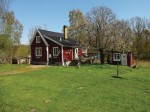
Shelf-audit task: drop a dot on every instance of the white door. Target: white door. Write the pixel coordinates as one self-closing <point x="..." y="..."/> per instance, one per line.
<point x="124" y="59"/>
<point x="76" y="53"/>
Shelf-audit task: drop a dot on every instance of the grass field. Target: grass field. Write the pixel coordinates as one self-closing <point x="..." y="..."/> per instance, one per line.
<point x="91" y="88"/>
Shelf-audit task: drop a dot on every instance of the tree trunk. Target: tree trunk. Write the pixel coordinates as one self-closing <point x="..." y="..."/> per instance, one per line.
<point x="101" y="55"/>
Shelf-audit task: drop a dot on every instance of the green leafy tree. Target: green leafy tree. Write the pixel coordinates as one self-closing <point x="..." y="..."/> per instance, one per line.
<point x="13" y="28"/>
<point x="146" y="44"/>
<point x="77" y="28"/>
<point x="24" y="48"/>
<point x="138" y="26"/>
<point x="5" y="48"/>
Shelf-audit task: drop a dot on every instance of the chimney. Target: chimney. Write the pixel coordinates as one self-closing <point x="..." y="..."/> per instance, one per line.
<point x="65" y="32"/>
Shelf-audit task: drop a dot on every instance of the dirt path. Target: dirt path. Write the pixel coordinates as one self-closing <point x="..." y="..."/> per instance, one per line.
<point x="23" y="69"/>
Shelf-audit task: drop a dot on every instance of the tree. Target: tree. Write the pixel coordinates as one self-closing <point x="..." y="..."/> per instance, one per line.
<point x="138" y="26"/>
<point x="121" y="36"/>
<point x="5" y="48"/>
<point x="100" y="29"/>
<point x="4" y="4"/>
<point x="12" y="27"/>
<point x="100" y="21"/>
<point x="24" y="48"/>
<point x="146" y="35"/>
<point x="77" y="26"/>
<point x="146" y="44"/>
<point x="30" y="36"/>
<point x="32" y="32"/>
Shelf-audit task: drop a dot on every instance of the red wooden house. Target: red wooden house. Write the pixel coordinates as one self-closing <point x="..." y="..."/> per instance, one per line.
<point x="52" y="48"/>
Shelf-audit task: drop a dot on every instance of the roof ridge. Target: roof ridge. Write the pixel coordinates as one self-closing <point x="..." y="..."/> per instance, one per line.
<point x="50" y="31"/>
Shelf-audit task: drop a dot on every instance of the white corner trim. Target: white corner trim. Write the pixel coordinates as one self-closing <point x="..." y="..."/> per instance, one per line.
<point x="62" y="57"/>
<point x="47" y="51"/>
<point x="42" y="38"/>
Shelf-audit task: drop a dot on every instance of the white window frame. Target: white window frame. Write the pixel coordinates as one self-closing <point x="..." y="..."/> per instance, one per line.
<point x="115" y="56"/>
<point x="36" y="50"/>
<point x="38" y="39"/>
<point x="55" y="51"/>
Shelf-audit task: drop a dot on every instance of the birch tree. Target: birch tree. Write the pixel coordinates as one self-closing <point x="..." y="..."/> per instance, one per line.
<point x="77" y="26"/>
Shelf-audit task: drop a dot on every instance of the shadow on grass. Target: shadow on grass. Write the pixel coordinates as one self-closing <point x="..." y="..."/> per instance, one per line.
<point x="117" y="77"/>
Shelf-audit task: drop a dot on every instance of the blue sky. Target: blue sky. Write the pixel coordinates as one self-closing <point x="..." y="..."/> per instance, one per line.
<point x="55" y="13"/>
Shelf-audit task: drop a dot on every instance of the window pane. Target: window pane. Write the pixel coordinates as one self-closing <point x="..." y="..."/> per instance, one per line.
<point x="55" y="51"/>
<point x="38" y="51"/>
<point x="116" y="56"/>
<point x="38" y="39"/>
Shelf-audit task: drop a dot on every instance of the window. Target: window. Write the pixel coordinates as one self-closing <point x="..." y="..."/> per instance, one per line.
<point x="116" y="57"/>
<point x="38" y="39"/>
<point x="55" y="51"/>
<point x="76" y="50"/>
<point x="38" y="51"/>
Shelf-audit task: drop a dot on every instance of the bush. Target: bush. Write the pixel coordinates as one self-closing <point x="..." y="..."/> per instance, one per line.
<point x="146" y="55"/>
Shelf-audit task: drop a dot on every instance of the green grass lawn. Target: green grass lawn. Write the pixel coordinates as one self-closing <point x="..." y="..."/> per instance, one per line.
<point x="91" y="88"/>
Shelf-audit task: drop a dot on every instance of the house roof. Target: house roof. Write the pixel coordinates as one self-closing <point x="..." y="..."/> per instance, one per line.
<point x="58" y="38"/>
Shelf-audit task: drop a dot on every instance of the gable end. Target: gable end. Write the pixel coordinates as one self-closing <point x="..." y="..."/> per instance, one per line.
<point x="34" y="37"/>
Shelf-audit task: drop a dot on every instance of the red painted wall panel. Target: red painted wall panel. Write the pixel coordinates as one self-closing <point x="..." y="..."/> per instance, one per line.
<point x="68" y="53"/>
<point x="42" y="58"/>
<point x="55" y="58"/>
